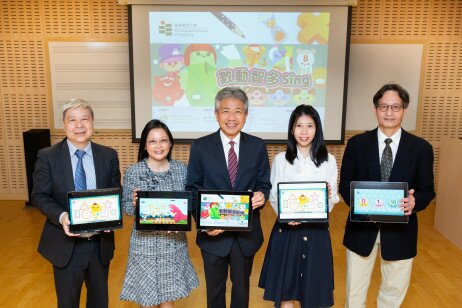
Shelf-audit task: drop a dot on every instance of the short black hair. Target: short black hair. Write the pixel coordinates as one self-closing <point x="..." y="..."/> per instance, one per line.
<point x="318" y="149"/>
<point x="402" y="93"/>
<point x="142" y="152"/>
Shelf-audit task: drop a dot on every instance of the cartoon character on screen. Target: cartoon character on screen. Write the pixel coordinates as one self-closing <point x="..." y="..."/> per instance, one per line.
<point x="277" y="33"/>
<point x="254" y="55"/>
<point x="177" y="213"/>
<point x="171" y="59"/>
<point x="167" y="88"/>
<point x="279" y="58"/>
<point x="201" y="84"/>
<point x="363" y="202"/>
<point x="95" y="209"/>
<point x="205" y="211"/>
<point x="214" y="211"/>
<point x="305" y="60"/>
<point x="279" y="97"/>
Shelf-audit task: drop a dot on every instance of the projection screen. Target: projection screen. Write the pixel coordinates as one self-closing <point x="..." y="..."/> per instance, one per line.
<point x="280" y="56"/>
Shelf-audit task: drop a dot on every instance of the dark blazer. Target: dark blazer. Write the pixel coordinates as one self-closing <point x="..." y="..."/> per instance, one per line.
<point x="53" y="179"/>
<point x="207" y="169"/>
<point x="413" y="164"/>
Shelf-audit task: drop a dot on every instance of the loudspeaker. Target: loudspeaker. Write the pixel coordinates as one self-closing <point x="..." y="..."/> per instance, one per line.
<point x="34" y="140"/>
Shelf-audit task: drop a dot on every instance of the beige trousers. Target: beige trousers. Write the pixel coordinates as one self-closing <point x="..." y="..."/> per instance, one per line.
<point x="396" y="276"/>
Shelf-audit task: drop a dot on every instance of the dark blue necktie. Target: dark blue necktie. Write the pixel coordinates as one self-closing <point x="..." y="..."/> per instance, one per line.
<point x="80" y="180"/>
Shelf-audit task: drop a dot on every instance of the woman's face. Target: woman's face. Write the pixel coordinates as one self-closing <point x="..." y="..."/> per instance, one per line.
<point x="158" y="144"/>
<point x="304" y="130"/>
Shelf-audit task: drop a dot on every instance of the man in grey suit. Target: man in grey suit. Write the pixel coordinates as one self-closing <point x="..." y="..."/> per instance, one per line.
<point x="75" y="163"/>
<point x="387" y="153"/>
<point x="230" y="160"/>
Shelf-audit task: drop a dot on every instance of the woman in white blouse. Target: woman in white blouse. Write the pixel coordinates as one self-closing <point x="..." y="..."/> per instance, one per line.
<point x="298" y="264"/>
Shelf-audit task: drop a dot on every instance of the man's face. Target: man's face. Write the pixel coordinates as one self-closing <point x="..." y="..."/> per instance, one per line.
<point x="231" y="116"/>
<point x="389" y="120"/>
<point x="78" y="126"/>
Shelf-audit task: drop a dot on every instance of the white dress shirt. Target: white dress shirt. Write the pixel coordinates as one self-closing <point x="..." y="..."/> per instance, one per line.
<point x="393" y="145"/>
<point x="226" y="146"/>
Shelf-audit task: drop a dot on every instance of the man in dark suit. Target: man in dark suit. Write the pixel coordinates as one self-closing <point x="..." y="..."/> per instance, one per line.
<point x="75" y="163"/>
<point x="387" y="153"/>
<point x="212" y="166"/>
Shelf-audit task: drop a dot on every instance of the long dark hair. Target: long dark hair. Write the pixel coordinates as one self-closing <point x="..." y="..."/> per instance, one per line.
<point x="142" y="153"/>
<point x="318" y="149"/>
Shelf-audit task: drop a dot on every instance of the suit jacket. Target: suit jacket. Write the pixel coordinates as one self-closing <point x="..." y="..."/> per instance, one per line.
<point x="207" y="169"/>
<point x="413" y="164"/>
<point x="53" y="179"/>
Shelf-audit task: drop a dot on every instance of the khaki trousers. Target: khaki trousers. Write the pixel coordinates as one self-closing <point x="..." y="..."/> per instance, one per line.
<point x="396" y="276"/>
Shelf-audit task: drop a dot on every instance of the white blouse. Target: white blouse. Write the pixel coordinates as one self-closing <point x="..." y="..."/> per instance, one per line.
<point x="303" y="169"/>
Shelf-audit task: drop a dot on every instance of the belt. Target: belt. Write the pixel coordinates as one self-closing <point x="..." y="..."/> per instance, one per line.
<point x="92" y="237"/>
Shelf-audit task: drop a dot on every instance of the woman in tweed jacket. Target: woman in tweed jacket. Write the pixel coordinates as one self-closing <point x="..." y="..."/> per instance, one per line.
<point x="159" y="270"/>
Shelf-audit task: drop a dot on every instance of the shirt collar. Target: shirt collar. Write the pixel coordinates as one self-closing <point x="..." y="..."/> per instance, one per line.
<point x="73" y="148"/>
<point x="395" y="137"/>
<point x="225" y="140"/>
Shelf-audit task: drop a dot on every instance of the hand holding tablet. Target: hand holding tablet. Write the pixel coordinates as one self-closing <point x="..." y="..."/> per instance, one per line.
<point x="224" y="211"/>
<point x="163" y="210"/>
<point x="303" y="202"/>
<point x="380" y="202"/>
<point x="94" y="210"/>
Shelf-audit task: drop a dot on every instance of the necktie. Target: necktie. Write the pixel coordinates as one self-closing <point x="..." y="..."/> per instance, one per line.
<point x="387" y="161"/>
<point x="232" y="164"/>
<point x="80" y="181"/>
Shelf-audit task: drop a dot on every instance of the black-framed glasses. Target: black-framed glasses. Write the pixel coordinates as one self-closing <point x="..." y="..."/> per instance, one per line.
<point x="394" y="108"/>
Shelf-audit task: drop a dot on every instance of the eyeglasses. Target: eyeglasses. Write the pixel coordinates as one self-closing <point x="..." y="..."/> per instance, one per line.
<point x="227" y="113"/>
<point x="162" y="142"/>
<point x="394" y="108"/>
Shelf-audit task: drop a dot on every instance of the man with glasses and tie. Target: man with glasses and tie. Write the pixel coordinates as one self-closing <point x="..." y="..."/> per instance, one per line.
<point x="230" y="160"/>
<point x="75" y="163"/>
<point x="387" y="153"/>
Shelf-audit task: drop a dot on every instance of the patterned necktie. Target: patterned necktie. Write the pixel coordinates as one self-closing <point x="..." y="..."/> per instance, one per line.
<point x="387" y="161"/>
<point x="80" y="181"/>
<point x="232" y="164"/>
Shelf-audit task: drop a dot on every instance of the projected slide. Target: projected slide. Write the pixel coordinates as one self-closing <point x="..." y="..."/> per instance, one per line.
<point x="280" y="59"/>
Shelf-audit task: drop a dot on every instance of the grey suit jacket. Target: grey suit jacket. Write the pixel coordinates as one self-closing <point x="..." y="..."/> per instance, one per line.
<point x="53" y="179"/>
<point x="207" y="169"/>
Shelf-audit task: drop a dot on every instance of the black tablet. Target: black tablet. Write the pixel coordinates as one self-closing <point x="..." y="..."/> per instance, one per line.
<point x="303" y="202"/>
<point x="377" y="201"/>
<point x="95" y="210"/>
<point x="163" y="210"/>
<point x="225" y="210"/>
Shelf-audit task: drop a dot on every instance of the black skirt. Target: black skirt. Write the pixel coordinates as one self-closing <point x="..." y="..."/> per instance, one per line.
<point x="298" y="265"/>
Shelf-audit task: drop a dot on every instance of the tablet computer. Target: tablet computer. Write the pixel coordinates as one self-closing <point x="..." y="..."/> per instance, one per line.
<point x="377" y="201"/>
<point x="303" y="202"/>
<point x="163" y="210"/>
<point x="95" y="210"/>
<point x="225" y="210"/>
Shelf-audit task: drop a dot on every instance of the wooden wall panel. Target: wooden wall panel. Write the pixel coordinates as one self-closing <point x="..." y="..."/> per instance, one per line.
<point x="21" y="17"/>
<point x="109" y="19"/>
<point x="67" y="17"/>
<point x="446" y="18"/>
<point x="366" y="20"/>
<point x="405" y="19"/>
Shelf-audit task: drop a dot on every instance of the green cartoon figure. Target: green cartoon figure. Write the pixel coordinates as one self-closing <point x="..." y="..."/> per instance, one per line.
<point x="214" y="211"/>
<point x="201" y="85"/>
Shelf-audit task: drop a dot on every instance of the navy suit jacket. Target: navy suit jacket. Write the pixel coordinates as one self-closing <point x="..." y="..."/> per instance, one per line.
<point x="207" y="169"/>
<point x="53" y="179"/>
<point x="413" y="164"/>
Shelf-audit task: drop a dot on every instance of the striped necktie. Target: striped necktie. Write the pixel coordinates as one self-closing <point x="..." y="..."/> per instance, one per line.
<point x="232" y="164"/>
<point x="80" y="181"/>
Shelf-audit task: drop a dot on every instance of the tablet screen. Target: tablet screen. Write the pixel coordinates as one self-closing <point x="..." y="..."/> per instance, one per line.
<point x="163" y="210"/>
<point x="98" y="209"/>
<point x="377" y="201"/>
<point x="302" y="201"/>
<point x="225" y="210"/>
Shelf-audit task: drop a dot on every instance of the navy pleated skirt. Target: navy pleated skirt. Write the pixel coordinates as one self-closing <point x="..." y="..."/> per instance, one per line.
<point x="298" y="265"/>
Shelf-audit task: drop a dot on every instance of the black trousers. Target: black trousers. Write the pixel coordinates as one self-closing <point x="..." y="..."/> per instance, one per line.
<point x="85" y="265"/>
<point x="216" y="274"/>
